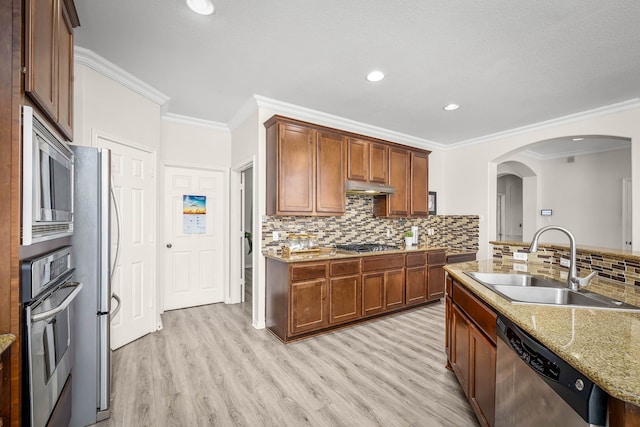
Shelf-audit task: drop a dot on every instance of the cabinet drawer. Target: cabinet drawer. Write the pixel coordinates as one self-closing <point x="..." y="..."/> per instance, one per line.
<point x="416" y="260"/>
<point x="382" y="263"/>
<point x="344" y="268"/>
<point x="482" y="315"/>
<point x="437" y="258"/>
<point x="308" y="271"/>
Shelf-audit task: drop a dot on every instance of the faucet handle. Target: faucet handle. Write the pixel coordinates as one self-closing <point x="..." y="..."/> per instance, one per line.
<point x="585" y="280"/>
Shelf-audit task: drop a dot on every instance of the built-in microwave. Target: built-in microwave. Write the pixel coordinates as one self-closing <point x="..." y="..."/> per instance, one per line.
<point x="47" y="181"/>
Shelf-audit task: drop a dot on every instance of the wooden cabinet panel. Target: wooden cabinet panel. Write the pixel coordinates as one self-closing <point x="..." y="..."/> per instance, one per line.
<point x="330" y="160"/>
<point x="382" y="262"/>
<point x="482" y="387"/>
<point x="308" y="305"/>
<point x="357" y="159"/>
<point x="344" y="299"/>
<point x="398" y="203"/>
<point x="394" y="289"/>
<point x="435" y="282"/>
<point x="484" y="317"/>
<point x="419" y="187"/>
<point x="372" y="293"/>
<point x="41" y="37"/>
<point x="344" y="267"/>
<point x="378" y="163"/>
<point x="49" y="60"/>
<point x="296" y="151"/>
<point x="65" y="74"/>
<point x="416" y="285"/>
<point x="418" y="259"/>
<point x="460" y="351"/>
<point x="308" y="271"/>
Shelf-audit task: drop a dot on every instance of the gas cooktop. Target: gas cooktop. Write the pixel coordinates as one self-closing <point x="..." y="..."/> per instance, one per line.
<point x="366" y="247"/>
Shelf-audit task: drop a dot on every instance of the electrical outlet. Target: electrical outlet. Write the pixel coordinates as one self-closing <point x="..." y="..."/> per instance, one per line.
<point x="565" y="262"/>
<point x="388" y="233"/>
<point x="519" y="267"/>
<point x="275" y="236"/>
<point x="520" y="256"/>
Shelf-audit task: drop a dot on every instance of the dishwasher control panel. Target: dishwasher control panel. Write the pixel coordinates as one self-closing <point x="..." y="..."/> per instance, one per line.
<point x="535" y="360"/>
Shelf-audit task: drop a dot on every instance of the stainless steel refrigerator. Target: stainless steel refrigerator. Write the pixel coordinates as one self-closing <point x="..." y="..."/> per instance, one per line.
<point x="91" y="246"/>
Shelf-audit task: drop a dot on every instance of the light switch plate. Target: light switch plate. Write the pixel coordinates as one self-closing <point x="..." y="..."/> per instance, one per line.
<point x="519" y="267"/>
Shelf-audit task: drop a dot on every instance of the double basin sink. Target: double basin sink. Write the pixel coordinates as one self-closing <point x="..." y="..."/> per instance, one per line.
<point x="529" y="289"/>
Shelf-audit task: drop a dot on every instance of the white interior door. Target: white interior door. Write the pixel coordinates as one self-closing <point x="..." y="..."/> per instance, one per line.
<point x="626" y="215"/>
<point x="133" y="279"/>
<point x="193" y="253"/>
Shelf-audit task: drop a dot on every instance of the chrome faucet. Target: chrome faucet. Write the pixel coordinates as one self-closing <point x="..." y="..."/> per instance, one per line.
<point x="573" y="281"/>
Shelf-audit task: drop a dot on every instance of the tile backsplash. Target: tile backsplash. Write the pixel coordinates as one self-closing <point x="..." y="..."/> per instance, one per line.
<point x="358" y="225"/>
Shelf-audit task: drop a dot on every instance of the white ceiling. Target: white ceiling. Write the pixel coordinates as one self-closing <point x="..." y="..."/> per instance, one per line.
<point x="508" y="63"/>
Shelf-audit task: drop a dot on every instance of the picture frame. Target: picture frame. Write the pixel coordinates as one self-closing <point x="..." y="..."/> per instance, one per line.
<point x="432" y="202"/>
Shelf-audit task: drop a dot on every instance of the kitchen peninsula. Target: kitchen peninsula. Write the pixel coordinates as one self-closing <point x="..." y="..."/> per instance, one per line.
<point x="602" y="344"/>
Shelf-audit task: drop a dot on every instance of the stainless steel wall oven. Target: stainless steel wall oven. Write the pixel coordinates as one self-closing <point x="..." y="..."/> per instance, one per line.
<point x="48" y="291"/>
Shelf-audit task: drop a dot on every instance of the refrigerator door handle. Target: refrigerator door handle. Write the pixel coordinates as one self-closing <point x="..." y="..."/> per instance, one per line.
<point x="119" y="233"/>
<point x="115" y="311"/>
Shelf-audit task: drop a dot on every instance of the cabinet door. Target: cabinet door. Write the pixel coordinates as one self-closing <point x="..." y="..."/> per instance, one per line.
<point x="372" y="293"/>
<point x="460" y="351"/>
<point x="435" y="282"/>
<point x="416" y="285"/>
<point x="419" y="184"/>
<point x="394" y="289"/>
<point x="357" y="159"/>
<point x="296" y="169"/>
<point x="330" y="160"/>
<point x="482" y="385"/>
<point x="344" y="299"/>
<point x="398" y="203"/>
<point x="41" y="82"/>
<point x="378" y="163"/>
<point x="308" y="306"/>
<point x="65" y="74"/>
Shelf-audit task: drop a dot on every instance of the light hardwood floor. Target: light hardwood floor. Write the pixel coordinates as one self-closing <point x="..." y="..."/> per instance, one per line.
<point x="210" y="367"/>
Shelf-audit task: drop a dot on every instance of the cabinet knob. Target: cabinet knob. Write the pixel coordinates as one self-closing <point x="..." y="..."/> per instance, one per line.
<point x="169" y="245"/>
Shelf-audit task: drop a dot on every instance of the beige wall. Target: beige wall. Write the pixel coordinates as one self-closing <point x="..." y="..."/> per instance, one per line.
<point x="470" y="177"/>
<point x="191" y="144"/>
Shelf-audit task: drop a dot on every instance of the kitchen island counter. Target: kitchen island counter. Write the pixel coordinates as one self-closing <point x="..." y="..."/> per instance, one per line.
<point x="602" y="344"/>
<point x="5" y="341"/>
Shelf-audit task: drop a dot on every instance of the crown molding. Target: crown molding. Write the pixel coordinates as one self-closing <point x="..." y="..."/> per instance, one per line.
<point x="330" y="120"/>
<point x="247" y="109"/>
<point x="571" y="118"/>
<point x="575" y="153"/>
<point x="192" y="121"/>
<point x="108" y="69"/>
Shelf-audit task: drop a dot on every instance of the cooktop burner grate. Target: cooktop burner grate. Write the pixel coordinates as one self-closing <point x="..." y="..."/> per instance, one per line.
<point x="366" y="247"/>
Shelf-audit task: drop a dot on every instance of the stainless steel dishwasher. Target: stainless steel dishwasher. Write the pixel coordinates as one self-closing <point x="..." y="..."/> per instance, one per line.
<point x="535" y="387"/>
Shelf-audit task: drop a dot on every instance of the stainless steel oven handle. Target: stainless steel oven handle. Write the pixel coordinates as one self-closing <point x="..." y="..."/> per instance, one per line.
<point x="63" y="305"/>
<point x="117" y="309"/>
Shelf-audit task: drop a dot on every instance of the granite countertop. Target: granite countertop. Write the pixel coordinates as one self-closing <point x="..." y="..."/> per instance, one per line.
<point x="602" y="344"/>
<point x="329" y="254"/>
<point x="5" y="341"/>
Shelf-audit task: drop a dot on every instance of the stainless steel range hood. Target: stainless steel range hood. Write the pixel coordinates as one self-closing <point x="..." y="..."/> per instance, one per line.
<point x="368" y="188"/>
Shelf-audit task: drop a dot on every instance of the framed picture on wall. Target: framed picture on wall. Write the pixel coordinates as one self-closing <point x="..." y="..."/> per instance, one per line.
<point x="432" y="202"/>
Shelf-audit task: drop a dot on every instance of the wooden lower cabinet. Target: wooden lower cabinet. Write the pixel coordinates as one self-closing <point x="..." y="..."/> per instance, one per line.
<point x="345" y="290"/>
<point x="307" y="298"/>
<point x="435" y="274"/>
<point x="308" y="306"/>
<point x="471" y="349"/>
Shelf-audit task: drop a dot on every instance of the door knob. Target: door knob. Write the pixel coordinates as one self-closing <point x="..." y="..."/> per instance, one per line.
<point x="169" y="245"/>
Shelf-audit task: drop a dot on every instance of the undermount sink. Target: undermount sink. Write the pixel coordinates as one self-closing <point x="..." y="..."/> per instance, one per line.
<point x="507" y="279"/>
<point x="529" y="289"/>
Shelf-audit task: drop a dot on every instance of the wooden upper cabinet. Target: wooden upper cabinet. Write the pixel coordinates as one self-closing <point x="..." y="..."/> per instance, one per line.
<point x="296" y="149"/>
<point x="49" y="59"/>
<point x="330" y="160"/>
<point x="367" y="161"/>
<point x="398" y="203"/>
<point x="378" y="163"/>
<point x="419" y="183"/>
<point x="305" y="169"/>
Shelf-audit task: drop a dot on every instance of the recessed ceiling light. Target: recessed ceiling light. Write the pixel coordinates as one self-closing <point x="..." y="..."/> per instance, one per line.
<point x="451" y="107"/>
<point x="577" y="139"/>
<point x="203" y="7"/>
<point x="375" y="76"/>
